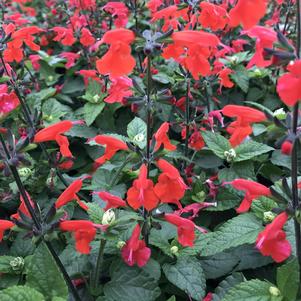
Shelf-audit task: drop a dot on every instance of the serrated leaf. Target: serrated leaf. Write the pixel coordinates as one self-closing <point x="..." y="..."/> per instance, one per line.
<point x="20" y="293"/>
<point x="262" y="205"/>
<point x="91" y="111"/>
<point x="136" y="131"/>
<point x="53" y="110"/>
<point x="288" y="279"/>
<point x="241" y="78"/>
<point x="253" y="290"/>
<point x="131" y="284"/>
<point x="44" y="275"/>
<point x="250" y="149"/>
<point x="187" y="274"/>
<point x="244" y="170"/>
<point x="95" y="212"/>
<point x="217" y="143"/>
<point x="5" y="266"/>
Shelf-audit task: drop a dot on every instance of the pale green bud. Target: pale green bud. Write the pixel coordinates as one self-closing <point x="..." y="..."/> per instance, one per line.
<point x="108" y="217"/>
<point x="17" y="263"/>
<point x="274" y="291"/>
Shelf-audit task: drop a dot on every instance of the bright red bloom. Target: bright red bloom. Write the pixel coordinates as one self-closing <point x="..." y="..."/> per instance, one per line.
<point x="213" y="16"/>
<point x="5" y="225"/>
<point x="142" y="194"/>
<point x="89" y="74"/>
<point x="64" y="35"/>
<point x="194" y="209"/>
<point x="112" y="144"/>
<point x="252" y="190"/>
<point x="112" y="201"/>
<point x="272" y="240"/>
<point x="8" y="101"/>
<point x="153" y="5"/>
<point x="118" y="61"/>
<point x="241" y="128"/>
<point x="170" y="187"/>
<point x="185" y="227"/>
<point x="71" y="57"/>
<point x="196" y="140"/>
<point x="54" y="132"/>
<point x="288" y="86"/>
<point x="247" y="12"/>
<point x="287" y="147"/>
<point x="208" y="297"/>
<point x="162" y="138"/>
<point x="23" y="208"/>
<point x="84" y="233"/>
<point x="135" y="251"/>
<point x="119" y="89"/>
<point x="223" y="76"/>
<point x="83" y="4"/>
<point x="119" y="13"/>
<point x="70" y="194"/>
<point x="86" y="38"/>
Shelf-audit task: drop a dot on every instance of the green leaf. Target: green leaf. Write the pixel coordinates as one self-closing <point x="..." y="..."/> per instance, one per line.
<point x="250" y="149"/>
<point x="95" y="212"/>
<point x="242" y="229"/>
<point x="241" y="78"/>
<point x="91" y="111"/>
<point x="136" y="131"/>
<point x="187" y="274"/>
<point x="237" y="170"/>
<point x="288" y="279"/>
<point x="131" y="284"/>
<point x="22" y="246"/>
<point x="5" y="266"/>
<point x="20" y="293"/>
<point x="253" y="290"/>
<point x="262" y="205"/>
<point x="44" y="275"/>
<point x="73" y="85"/>
<point x="280" y="159"/>
<point x="217" y="143"/>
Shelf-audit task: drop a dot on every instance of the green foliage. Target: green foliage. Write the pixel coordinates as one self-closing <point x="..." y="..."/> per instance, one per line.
<point x="20" y="293"/>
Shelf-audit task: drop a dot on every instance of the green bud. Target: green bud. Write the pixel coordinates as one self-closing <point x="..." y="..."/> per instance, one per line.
<point x="25" y="172"/>
<point x="50" y="78"/>
<point x="17" y="264"/>
<point x="174" y="250"/>
<point x="274" y="291"/>
<point x="139" y="138"/>
<point x="280" y="114"/>
<point x="121" y="244"/>
<point x="96" y="98"/>
<point x="268" y="216"/>
<point x="108" y="217"/>
<point x="230" y="155"/>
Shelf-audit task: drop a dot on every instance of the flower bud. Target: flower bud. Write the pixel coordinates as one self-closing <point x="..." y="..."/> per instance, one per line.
<point x="17" y="263"/>
<point x="25" y="172"/>
<point x="108" y="217"/>
<point x="121" y="244"/>
<point x="287" y="147"/>
<point x="268" y="216"/>
<point x="174" y="250"/>
<point x="96" y="98"/>
<point x="280" y="114"/>
<point x="274" y="291"/>
<point x="230" y="155"/>
<point x="139" y="138"/>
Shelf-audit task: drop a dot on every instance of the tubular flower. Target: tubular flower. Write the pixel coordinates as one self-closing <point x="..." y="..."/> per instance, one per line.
<point x="5" y="225"/>
<point x="135" y="251"/>
<point x="113" y="145"/>
<point x="86" y="38"/>
<point x="119" y="89"/>
<point x="192" y="50"/>
<point x="118" y="61"/>
<point x="112" y="201"/>
<point x="64" y="35"/>
<point x="170" y="187"/>
<point x="142" y="192"/>
<point x="252" y="190"/>
<point x="70" y="194"/>
<point x="223" y="76"/>
<point x="119" y="12"/>
<point x="247" y="12"/>
<point x="241" y="128"/>
<point x="23" y="208"/>
<point x="272" y="240"/>
<point x="8" y="101"/>
<point x="162" y="138"/>
<point x="288" y="86"/>
<point x="185" y="229"/>
<point x="70" y="57"/>
<point x="54" y="133"/>
<point x="84" y="233"/>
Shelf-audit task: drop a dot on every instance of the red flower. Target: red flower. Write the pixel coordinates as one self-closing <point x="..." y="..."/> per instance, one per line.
<point x="208" y="297"/>
<point x="142" y="192"/>
<point x="185" y="227"/>
<point x="170" y="187"/>
<point x="247" y="12"/>
<point x="70" y="194"/>
<point x="119" y="89"/>
<point x="287" y="147"/>
<point x="23" y="208"/>
<point x="84" y="233"/>
<point x="252" y="189"/>
<point x="119" y="13"/>
<point x="223" y="76"/>
<point x="86" y="38"/>
<point x="118" y="61"/>
<point x="213" y="16"/>
<point x="54" y="132"/>
<point x="112" y="201"/>
<point x="272" y="240"/>
<point x="241" y="128"/>
<point x="64" y="35"/>
<point x="288" y="86"/>
<point x="8" y="101"/>
<point x="5" y="225"/>
<point x="71" y="57"/>
<point x="162" y="138"/>
<point x="135" y="251"/>
<point x="194" y="208"/>
<point x="112" y="144"/>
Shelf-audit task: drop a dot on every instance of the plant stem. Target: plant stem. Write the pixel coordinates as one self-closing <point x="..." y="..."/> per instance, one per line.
<point x="187" y="118"/>
<point x="149" y="113"/>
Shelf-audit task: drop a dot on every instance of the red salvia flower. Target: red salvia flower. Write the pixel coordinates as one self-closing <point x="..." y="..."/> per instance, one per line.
<point x="247" y="12"/>
<point x="70" y="194"/>
<point x="170" y="187"/>
<point x="252" y="190"/>
<point x="185" y="229"/>
<point x="142" y="194"/>
<point x="71" y="57"/>
<point x="86" y="38"/>
<point x="54" y="133"/>
<point x="288" y="86"/>
<point x="135" y="251"/>
<point x="119" y="13"/>
<point x="112" y="144"/>
<point x="194" y="209"/>
<point x="272" y="240"/>
<point x="112" y="201"/>
<point x="84" y="233"/>
<point x="118" y="61"/>
<point x="162" y="138"/>
<point x="8" y="101"/>
<point x="119" y="89"/>
<point x="287" y="147"/>
<point x="5" y="225"/>
<point x="64" y="35"/>
<point x="23" y="208"/>
<point x="223" y="76"/>
<point x="241" y="128"/>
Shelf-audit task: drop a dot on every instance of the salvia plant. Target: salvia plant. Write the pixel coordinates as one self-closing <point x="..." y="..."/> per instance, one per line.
<point x="150" y="150"/>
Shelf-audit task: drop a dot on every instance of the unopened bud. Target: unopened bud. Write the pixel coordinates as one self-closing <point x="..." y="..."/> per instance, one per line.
<point x="108" y="217"/>
<point x="17" y="263"/>
<point x="50" y="78"/>
<point x="121" y="244"/>
<point x="280" y="114"/>
<point x="139" y="138"/>
<point x="96" y="98"/>
<point x="230" y="155"/>
<point x="174" y="250"/>
<point x="268" y="216"/>
<point x="274" y="291"/>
